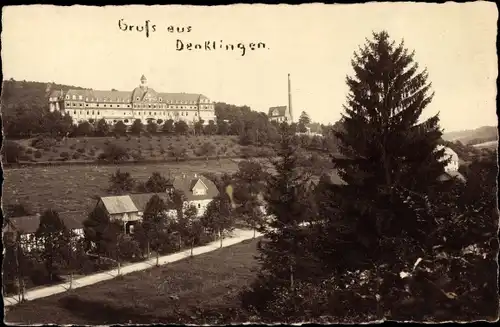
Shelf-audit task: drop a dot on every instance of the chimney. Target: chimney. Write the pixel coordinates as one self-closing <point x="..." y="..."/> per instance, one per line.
<point x="290" y="99"/>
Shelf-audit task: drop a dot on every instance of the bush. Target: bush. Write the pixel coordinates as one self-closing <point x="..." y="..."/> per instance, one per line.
<point x="43" y="142"/>
<point x="76" y="155"/>
<point x="81" y="150"/>
<point x="38" y="154"/>
<point x="64" y="155"/>
<point x="73" y="146"/>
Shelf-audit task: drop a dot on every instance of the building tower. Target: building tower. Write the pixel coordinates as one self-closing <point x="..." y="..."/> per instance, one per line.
<point x="290" y="99"/>
<point x="144" y="82"/>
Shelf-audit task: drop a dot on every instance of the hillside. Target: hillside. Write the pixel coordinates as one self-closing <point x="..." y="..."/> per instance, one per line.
<point x="28" y="95"/>
<point x="473" y="136"/>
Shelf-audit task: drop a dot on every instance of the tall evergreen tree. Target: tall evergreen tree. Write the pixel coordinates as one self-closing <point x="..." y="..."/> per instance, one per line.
<point x="388" y="161"/>
<point x="283" y="256"/>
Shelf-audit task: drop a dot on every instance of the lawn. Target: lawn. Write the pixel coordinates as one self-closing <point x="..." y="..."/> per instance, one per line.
<point x="72" y="188"/>
<point x="181" y="292"/>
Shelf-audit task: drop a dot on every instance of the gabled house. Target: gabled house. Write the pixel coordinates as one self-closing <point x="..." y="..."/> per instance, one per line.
<point x="198" y="189"/>
<point x="26" y="227"/>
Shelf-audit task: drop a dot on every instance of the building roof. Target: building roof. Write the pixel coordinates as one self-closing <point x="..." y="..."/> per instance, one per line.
<point x="186" y="182"/>
<point x="118" y="204"/>
<point x="141" y="199"/>
<point x="282" y="111"/>
<point x="29" y="224"/>
<point x="24" y="225"/>
<point x="131" y="96"/>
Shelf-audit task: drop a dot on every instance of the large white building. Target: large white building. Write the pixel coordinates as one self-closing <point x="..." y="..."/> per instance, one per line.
<point x="142" y="103"/>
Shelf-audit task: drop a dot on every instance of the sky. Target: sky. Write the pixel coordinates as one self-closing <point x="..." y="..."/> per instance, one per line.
<point x="314" y="43"/>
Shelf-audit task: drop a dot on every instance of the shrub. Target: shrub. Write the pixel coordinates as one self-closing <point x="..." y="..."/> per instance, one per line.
<point x="81" y="150"/>
<point x="38" y="154"/>
<point x="73" y="146"/>
<point x="43" y="142"/>
<point x="76" y="155"/>
<point x="64" y="155"/>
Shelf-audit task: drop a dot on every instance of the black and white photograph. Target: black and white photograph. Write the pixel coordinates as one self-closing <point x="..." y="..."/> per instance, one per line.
<point x="249" y="164"/>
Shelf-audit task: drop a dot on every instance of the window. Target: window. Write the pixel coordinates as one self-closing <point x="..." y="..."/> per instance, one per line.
<point x="86" y="105"/>
<point x="74" y="97"/>
<point x="97" y="105"/>
<point x="155" y="113"/>
<point x="137" y="98"/>
<point x="199" y="206"/>
<point x="154" y="106"/>
<point x="150" y="113"/>
<point x="67" y="97"/>
<point x="105" y="105"/>
<point x="98" y="113"/>
<point x="87" y="112"/>
<point x="74" y="105"/>
<point x="161" y="100"/>
<point x="92" y="112"/>
<point x="74" y="112"/>
<point x="86" y="99"/>
<point x="149" y="105"/>
<point x="196" y="114"/>
<point x="80" y="97"/>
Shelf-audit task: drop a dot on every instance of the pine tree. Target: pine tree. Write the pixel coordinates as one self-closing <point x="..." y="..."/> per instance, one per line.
<point x="388" y="160"/>
<point x="283" y="256"/>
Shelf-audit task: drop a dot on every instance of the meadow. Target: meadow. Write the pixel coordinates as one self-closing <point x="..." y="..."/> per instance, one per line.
<point x="74" y="188"/>
<point x="201" y="290"/>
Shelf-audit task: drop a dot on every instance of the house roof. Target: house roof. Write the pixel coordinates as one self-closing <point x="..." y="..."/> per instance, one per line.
<point x="118" y="204"/>
<point x="186" y="182"/>
<point x="282" y="111"/>
<point x="129" y="96"/>
<point x="141" y="199"/>
<point x="24" y="225"/>
<point x="29" y="224"/>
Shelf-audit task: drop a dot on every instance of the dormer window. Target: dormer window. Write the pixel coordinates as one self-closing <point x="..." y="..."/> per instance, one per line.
<point x="74" y="97"/>
<point x="80" y="97"/>
<point x="67" y="97"/>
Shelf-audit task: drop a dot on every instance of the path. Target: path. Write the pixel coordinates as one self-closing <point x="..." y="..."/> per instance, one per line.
<point x="238" y="236"/>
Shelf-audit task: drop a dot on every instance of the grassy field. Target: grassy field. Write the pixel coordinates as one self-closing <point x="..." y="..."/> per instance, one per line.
<point x="175" y="293"/>
<point x="73" y="188"/>
<point x="156" y="147"/>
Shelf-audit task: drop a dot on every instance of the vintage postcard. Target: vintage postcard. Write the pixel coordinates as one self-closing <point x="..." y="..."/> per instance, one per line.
<point x="215" y="165"/>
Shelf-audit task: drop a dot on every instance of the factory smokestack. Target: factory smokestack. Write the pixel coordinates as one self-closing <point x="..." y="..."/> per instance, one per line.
<point x="290" y="99"/>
